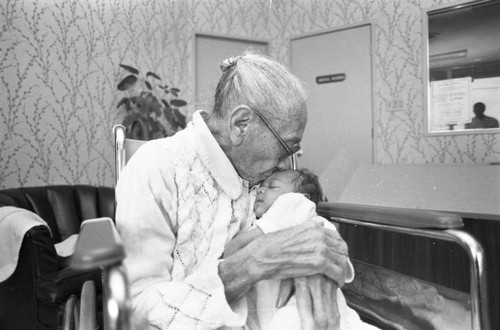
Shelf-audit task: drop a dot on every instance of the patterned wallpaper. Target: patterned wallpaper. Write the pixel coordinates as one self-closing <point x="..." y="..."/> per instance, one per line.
<point x="59" y="70"/>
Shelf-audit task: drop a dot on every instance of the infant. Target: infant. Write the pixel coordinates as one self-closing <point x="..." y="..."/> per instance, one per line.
<point x="300" y="185"/>
<point x="285" y="199"/>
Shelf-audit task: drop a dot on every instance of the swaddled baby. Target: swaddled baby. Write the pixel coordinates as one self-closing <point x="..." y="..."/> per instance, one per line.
<point x="285" y="199"/>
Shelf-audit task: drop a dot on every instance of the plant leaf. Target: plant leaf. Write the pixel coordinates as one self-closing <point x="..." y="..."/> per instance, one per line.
<point x="175" y="91"/>
<point x="178" y="103"/>
<point x="148" y="85"/>
<point x="127" y="82"/>
<point x="122" y="101"/>
<point x="179" y="118"/>
<point x="167" y="111"/>
<point x="129" y="69"/>
<point x="152" y="74"/>
<point x="165" y="103"/>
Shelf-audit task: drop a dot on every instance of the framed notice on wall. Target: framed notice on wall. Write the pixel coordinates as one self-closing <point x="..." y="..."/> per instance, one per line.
<point x="450" y="102"/>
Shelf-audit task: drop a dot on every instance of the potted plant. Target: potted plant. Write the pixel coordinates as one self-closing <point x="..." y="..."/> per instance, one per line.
<point x="153" y="110"/>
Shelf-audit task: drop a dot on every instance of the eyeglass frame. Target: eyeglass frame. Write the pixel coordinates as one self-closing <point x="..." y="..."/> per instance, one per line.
<point x="288" y="150"/>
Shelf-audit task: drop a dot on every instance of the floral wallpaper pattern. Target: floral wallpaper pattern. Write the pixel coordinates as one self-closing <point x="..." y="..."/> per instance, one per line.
<point x="59" y="70"/>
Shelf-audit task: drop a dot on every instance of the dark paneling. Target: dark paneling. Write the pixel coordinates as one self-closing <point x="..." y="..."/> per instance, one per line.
<point x="438" y="262"/>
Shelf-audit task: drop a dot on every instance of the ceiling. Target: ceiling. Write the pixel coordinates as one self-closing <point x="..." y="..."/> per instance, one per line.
<point x="465" y="35"/>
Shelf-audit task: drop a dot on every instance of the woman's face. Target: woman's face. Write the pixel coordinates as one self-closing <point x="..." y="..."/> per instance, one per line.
<point x="264" y="154"/>
<point x="277" y="184"/>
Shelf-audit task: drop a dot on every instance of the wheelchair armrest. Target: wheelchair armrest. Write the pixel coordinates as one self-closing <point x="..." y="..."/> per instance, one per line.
<point x="58" y="286"/>
<point x="408" y="218"/>
<point x="98" y="245"/>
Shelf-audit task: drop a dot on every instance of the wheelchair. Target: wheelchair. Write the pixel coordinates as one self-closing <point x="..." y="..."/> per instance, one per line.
<point x="385" y="298"/>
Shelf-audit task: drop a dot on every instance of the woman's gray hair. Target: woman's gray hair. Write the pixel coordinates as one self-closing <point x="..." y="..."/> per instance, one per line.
<point x="262" y="84"/>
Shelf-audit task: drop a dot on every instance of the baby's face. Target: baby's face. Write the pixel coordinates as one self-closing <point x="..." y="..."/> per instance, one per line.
<point x="277" y="184"/>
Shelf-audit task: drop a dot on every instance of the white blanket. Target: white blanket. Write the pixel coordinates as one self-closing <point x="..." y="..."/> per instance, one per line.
<point x="14" y="223"/>
<point x="288" y="210"/>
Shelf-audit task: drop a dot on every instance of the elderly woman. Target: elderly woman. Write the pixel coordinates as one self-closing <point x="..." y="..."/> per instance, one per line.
<point x="181" y="199"/>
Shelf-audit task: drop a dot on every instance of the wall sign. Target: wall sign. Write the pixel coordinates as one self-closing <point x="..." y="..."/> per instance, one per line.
<point x="330" y="78"/>
<point x="450" y="101"/>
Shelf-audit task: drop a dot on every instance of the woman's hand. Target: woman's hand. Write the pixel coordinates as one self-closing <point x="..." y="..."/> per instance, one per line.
<point x="316" y="297"/>
<point x="300" y="251"/>
<point x="306" y="249"/>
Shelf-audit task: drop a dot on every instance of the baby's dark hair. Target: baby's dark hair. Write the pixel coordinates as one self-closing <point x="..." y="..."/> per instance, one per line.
<point x="308" y="183"/>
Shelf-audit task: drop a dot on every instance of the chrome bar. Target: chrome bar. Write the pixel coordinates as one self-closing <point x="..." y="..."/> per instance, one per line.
<point x="116" y="304"/>
<point x="120" y="157"/>
<point x="294" y="161"/>
<point x="69" y="308"/>
<point x="478" y="286"/>
<point x="87" y="319"/>
<point x="479" y="292"/>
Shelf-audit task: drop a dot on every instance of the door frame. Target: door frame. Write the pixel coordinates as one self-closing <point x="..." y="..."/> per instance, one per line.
<point x="371" y="25"/>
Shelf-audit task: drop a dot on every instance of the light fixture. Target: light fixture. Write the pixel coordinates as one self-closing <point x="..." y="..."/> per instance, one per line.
<point x="455" y="55"/>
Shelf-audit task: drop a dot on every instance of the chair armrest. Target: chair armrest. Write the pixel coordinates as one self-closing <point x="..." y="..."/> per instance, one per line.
<point x="58" y="286"/>
<point x="400" y="217"/>
<point x="20" y="307"/>
<point x="98" y="245"/>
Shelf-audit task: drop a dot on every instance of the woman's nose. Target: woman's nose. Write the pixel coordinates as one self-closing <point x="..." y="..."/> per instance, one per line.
<point x="284" y="164"/>
<point x="260" y="191"/>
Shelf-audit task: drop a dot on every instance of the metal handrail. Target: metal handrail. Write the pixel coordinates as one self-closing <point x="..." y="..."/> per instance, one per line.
<point x="477" y="269"/>
<point x="120" y="157"/>
<point x="294" y="161"/>
<point x="117" y="303"/>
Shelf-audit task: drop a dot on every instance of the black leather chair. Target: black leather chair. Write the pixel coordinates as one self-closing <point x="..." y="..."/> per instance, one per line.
<point x="33" y="297"/>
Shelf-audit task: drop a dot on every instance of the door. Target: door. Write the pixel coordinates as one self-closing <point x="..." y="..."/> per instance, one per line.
<point x="336" y="67"/>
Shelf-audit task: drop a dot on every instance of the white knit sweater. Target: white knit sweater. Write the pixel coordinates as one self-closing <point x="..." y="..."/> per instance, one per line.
<point x="179" y="200"/>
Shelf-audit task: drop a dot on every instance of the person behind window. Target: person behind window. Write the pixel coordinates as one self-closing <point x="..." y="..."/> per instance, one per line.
<point x="481" y="120"/>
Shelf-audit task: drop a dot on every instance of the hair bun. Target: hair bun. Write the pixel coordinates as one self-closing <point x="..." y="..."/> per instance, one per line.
<point x="229" y="63"/>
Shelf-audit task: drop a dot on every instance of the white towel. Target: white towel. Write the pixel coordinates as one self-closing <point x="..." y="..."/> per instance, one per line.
<point x="14" y="223"/>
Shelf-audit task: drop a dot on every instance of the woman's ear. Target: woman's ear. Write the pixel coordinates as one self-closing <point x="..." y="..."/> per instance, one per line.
<point x="239" y="120"/>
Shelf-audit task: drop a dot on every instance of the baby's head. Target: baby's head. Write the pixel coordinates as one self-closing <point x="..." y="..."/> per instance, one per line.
<point x="286" y="181"/>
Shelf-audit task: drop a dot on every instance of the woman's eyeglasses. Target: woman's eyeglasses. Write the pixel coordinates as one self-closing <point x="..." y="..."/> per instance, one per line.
<point x="289" y="151"/>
